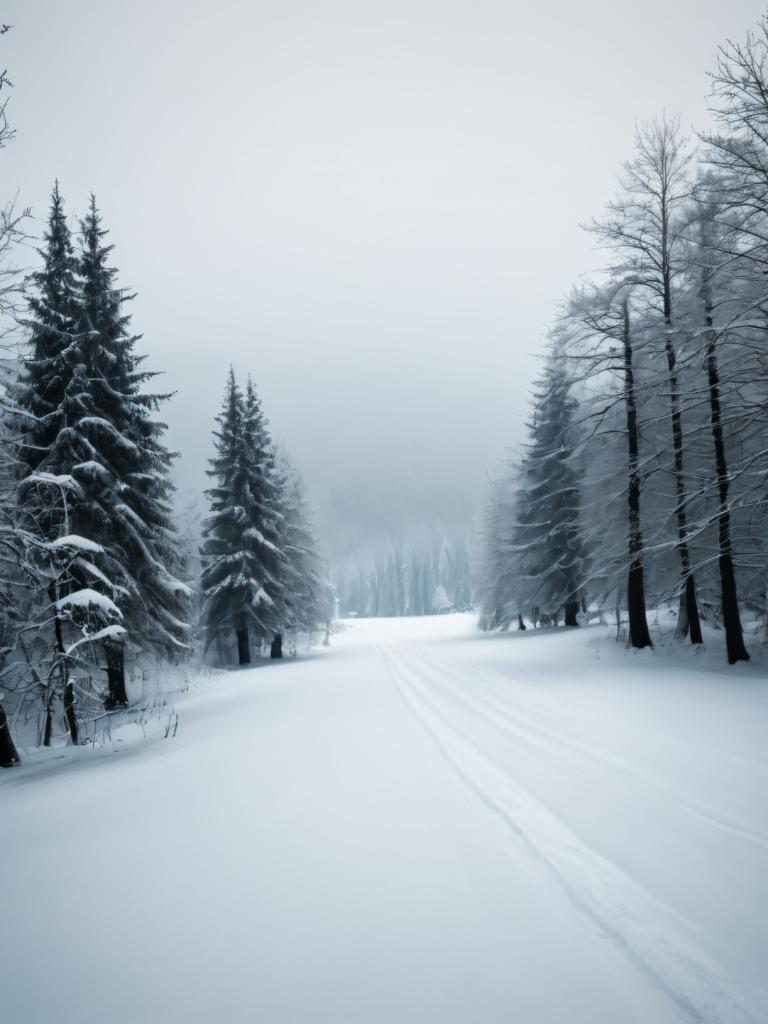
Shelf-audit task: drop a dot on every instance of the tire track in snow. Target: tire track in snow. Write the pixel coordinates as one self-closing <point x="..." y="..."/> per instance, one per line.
<point x="651" y="937"/>
<point x="512" y="723"/>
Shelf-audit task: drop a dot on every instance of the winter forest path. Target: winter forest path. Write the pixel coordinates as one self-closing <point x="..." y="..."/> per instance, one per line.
<point x="419" y="825"/>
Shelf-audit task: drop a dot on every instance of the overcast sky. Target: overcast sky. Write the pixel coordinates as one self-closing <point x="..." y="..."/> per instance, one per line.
<point x="372" y="207"/>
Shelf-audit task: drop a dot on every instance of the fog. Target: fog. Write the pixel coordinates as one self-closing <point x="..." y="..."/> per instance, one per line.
<point x="371" y="207"/>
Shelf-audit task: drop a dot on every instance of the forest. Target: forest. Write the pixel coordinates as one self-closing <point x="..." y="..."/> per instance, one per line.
<point x="642" y="486"/>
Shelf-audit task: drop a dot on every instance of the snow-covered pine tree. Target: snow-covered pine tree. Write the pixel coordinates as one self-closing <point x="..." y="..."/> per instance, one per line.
<point x="133" y="503"/>
<point x="303" y="579"/>
<point x="548" y="551"/>
<point x="241" y="582"/>
<point x="83" y="418"/>
<point x="495" y="583"/>
<point x="53" y="315"/>
<point x="48" y="405"/>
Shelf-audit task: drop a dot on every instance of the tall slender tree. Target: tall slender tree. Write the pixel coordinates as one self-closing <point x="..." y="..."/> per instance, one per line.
<point x="709" y="241"/>
<point x="302" y="577"/>
<point x="610" y="351"/>
<point x="644" y="227"/>
<point x="129" y="489"/>
<point x="549" y="554"/>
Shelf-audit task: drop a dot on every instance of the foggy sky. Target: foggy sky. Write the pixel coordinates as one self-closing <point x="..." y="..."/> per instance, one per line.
<point x="371" y="207"/>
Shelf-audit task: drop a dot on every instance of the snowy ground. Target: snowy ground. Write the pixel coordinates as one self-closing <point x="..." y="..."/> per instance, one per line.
<point x="422" y="824"/>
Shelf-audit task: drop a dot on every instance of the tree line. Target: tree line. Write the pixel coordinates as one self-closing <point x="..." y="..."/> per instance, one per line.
<point x="643" y="481"/>
<point x="410" y="578"/>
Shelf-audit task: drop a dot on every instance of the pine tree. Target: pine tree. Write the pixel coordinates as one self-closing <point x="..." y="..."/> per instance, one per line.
<point x="132" y="501"/>
<point x="242" y="560"/>
<point x="548" y="551"/>
<point x="85" y="419"/>
<point x="53" y="309"/>
<point x="49" y="404"/>
<point x="302" y="577"/>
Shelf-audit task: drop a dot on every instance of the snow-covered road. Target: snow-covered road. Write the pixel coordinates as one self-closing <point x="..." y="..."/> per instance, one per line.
<point x="422" y="824"/>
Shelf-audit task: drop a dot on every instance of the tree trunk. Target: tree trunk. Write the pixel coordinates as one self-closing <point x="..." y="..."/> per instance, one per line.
<point x="734" y="635"/>
<point x="69" y="711"/>
<point x="117" y="697"/>
<point x="639" y="635"/>
<point x="48" y="728"/>
<point x="571" y="611"/>
<point x="276" y="650"/>
<point x="688" y="622"/>
<point x="67" y="687"/>
<point x="243" y="643"/>
<point x="520" y="623"/>
<point x="8" y="755"/>
<point x="688" y="617"/>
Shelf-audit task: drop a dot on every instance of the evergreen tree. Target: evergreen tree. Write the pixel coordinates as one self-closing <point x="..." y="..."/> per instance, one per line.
<point x="84" y="419"/>
<point x="132" y="501"/>
<point x="242" y="560"/>
<point x="53" y="314"/>
<point x="302" y="577"/>
<point x="548" y="550"/>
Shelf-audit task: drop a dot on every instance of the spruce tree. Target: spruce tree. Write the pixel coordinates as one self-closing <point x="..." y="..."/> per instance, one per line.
<point x="302" y="576"/>
<point x="129" y="487"/>
<point x="53" y="314"/>
<point x="241" y="583"/>
<point x="548" y="551"/>
<point x="85" y="422"/>
<point x="50" y="400"/>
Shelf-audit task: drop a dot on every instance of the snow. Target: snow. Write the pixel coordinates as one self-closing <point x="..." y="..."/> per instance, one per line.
<point x="107" y="633"/>
<point x="73" y="540"/>
<point x="421" y="824"/>
<point x="87" y="597"/>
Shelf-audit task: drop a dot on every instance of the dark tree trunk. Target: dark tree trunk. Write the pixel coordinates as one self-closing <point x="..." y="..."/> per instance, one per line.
<point x="520" y="623"/>
<point x="688" y="623"/>
<point x="276" y="650"/>
<point x="8" y="755"/>
<point x="67" y="687"/>
<point x="571" y="611"/>
<point x="243" y="643"/>
<point x="70" y="713"/>
<point x="734" y="635"/>
<point x="48" y="729"/>
<point x="117" y="696"/>
<point x="639" y="635"/>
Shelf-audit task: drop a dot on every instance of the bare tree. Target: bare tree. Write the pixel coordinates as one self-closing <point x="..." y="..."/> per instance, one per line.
<point x="644" y="229"/>
<point x="607" y="352"/>
<point x="707" y="269"/>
